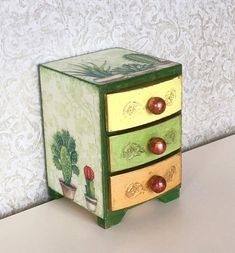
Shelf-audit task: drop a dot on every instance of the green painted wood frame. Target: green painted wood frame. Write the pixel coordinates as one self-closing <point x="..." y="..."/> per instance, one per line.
<point x="136" y="82"/>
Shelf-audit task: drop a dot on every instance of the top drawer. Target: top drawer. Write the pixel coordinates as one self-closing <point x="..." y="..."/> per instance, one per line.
<point x="131" y="108"/>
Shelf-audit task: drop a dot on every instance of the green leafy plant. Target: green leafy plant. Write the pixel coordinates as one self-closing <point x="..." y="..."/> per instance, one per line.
<point x="144" y="62"/>
<point x="126" y="69"/>
<point x="89" y="176"/>
<point x="143" y="58"/>
<point x="92" y="70"/>
<point x="64" y="155"/>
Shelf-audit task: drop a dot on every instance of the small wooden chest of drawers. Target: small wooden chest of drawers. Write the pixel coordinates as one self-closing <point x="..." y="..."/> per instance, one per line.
<point x="112" y="130"/>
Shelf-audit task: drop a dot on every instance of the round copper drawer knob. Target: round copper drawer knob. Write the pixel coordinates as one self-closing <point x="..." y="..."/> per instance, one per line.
<point x="157" y="145"/>
<point x="156" y="105"/>
<point x="157" y="184"/>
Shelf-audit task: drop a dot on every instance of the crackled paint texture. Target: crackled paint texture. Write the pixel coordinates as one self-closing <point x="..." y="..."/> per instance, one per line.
<point x="200" y="34"/>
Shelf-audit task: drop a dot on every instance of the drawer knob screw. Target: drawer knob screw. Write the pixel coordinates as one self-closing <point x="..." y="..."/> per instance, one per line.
<point x="156" y="105"/>
<point x="157" y="145"/>
<point x="157" y="184"/>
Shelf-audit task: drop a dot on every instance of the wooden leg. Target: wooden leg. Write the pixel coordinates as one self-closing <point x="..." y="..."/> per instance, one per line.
<point x="112" y="219"/>
<point x="169" y="196"/>
<point x="53" y="194"/>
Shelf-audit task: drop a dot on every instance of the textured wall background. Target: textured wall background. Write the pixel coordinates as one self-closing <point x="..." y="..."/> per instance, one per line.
<point x="198" y="33"/>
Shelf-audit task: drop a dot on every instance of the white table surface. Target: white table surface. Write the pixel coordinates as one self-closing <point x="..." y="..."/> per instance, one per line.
<point x="202" y="220"/>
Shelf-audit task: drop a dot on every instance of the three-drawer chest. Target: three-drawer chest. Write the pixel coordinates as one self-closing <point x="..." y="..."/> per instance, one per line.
<point x="112" y="130"/>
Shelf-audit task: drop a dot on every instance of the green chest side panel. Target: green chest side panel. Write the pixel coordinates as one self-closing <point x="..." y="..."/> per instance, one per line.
<point x="131" y="149"/>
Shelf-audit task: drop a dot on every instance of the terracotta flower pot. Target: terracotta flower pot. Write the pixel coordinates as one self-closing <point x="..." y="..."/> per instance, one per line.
<point x="91" y="203"/>
<point x="68" y="191"/>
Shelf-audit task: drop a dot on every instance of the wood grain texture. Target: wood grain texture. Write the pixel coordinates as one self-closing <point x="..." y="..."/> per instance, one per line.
<point x="132" y="188"/>
<point x="131" y="149"/>
<point x="128" y="109"/>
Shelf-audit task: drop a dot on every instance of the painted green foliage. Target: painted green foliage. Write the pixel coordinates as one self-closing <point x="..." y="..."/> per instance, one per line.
<point x="144" y="62"/>
<point x="143" y="58"/>
<point x="64" y="155"/>
<point x="92" y="70"/>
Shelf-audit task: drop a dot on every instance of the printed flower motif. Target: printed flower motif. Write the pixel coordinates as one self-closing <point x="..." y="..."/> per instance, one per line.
<point x="132" y="150"/>
<point x="170" y="136"/>
<point x="134" y="190"/>
<point x="131" y="108"/>
<point x="170" y="96"/>
<point x="170" y="173"/>
<point x="89" y="173"/>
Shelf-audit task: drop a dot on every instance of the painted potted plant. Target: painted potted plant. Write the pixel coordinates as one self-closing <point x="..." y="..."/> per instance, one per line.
<point x="142" y="64"/>
<point x="65" y="159"/>
<point x="91" y="201"/>
<point x="101" y="74"/>
<point x="105" y="73"/>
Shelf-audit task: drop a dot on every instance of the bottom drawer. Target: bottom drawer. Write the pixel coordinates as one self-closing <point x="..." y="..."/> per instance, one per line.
<point x="134" y="187"/>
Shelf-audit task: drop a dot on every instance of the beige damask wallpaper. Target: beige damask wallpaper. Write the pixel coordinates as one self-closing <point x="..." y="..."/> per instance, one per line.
<point x="198" y="33"/>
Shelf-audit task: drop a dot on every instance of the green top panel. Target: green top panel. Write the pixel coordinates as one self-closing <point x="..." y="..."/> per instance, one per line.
<point x="111" y="66"/>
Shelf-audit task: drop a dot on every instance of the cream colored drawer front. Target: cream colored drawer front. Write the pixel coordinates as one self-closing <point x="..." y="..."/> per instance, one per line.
<point x="128" y="109"/>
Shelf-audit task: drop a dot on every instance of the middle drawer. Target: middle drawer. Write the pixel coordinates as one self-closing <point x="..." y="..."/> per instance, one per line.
<point x="132" y="149"/>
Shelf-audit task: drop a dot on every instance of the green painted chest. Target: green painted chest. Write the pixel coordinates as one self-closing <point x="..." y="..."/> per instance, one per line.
<point x="112" y="130"/>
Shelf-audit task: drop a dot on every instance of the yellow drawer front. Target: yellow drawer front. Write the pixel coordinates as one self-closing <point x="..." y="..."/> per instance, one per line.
<point x="132" y="188"/>
<point x="129" y="109"/>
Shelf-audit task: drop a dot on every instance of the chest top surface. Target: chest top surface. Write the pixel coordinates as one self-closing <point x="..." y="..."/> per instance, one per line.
<point x="110" y="66"/>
